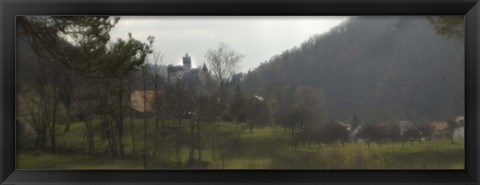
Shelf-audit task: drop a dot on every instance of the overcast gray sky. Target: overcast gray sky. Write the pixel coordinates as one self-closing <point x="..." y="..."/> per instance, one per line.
<point x="258" y="38"/>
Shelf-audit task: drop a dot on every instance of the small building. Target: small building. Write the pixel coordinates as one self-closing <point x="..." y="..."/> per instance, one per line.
<point x="439" y="126"/>
<point x="137" y="99"/>
<point x="460" y="120"/>
<point x="459" y="132"/>
<point x="347" y="126"/>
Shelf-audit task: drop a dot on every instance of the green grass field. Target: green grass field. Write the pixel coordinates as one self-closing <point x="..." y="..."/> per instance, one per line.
<point x="264" y="148"/>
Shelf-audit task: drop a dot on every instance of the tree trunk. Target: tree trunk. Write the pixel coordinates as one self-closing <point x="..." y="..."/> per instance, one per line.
<point x="178" y="144"/>
<point x="145" y="124"/>
<point x="157" y="118"/>
<point x="198" y="142"/>
<point x="120" y="122"/>
<point x="192" y="141"/>
<point x="53" y="134"/>
<point x="132" y="129"/>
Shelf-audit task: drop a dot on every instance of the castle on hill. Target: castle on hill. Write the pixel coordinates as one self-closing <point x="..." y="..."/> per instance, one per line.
<point x="186" y="72"/>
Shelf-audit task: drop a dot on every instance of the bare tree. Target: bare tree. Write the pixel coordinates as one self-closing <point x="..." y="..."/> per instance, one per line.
<point x="223" y="63"/>
<point x="310" y="102"/>
<point x="89" y="128"/>
<point x="46" y="107"/>
<point x="144" y="80"/>
<point x="155" y="70"/>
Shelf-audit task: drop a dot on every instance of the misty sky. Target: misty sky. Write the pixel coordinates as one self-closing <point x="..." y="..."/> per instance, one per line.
<point x="258" y="38"/>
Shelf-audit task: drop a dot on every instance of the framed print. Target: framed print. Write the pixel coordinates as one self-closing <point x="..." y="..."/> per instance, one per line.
<point x="251" y="92"/>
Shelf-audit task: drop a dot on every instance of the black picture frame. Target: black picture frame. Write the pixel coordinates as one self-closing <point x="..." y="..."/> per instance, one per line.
<point x="9" y="9"/>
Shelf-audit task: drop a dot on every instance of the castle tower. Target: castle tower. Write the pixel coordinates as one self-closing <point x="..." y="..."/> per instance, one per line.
<point x="205" y="69"/>
<point x="187" y="62"/>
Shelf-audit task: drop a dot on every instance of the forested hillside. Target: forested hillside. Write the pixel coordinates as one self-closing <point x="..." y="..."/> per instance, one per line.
<point x="374" y="66"/>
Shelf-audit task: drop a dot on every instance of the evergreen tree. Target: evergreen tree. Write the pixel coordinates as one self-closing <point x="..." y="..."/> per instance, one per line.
<point x="238" y="107"/>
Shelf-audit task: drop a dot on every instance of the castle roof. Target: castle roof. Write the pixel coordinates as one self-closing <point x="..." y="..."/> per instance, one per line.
<point x="204" y="69"/>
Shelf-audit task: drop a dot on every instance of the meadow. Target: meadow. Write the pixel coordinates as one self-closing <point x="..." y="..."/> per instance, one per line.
<point x="266" y="147"/>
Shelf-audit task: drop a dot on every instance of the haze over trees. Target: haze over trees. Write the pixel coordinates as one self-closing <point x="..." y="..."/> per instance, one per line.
<point x="374" y="66"/>
<point x="374" y="92"/>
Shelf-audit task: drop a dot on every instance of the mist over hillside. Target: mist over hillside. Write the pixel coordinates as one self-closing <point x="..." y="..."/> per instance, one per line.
<point x="376" y="67"/>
